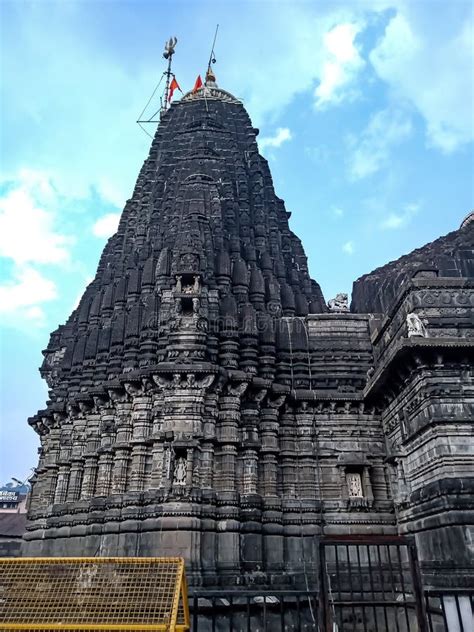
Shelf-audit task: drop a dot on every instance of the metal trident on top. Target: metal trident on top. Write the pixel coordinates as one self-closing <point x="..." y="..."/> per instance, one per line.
<point x="169" y="47"/>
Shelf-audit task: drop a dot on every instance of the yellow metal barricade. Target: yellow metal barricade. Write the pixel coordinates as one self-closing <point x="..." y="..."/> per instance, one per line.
<point x="96" y="593"/>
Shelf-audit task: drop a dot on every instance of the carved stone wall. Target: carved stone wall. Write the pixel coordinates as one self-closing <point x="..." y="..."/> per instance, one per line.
<point x="425" y="385"/>
<point x="204" y="401"/>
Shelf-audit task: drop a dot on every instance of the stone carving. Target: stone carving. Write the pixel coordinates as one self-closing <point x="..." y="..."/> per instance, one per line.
<point x="415" y="326"/>
<point x="339" y="304"/>
<point x="180" y="471"/>
<point x="354" y="485"/>
<point x="234" y="412"/>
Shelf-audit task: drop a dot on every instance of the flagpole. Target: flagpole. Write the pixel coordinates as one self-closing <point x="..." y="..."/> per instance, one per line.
<point x="167" y="86"/>
<point x="168" y="54"/>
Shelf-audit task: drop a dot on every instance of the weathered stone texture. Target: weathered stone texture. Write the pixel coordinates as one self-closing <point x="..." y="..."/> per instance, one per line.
<point x="205" y="402"/>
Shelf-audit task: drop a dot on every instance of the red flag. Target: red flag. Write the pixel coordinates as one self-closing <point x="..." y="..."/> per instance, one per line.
<point x="198" y="84"/>
<point x="174" y="85"/>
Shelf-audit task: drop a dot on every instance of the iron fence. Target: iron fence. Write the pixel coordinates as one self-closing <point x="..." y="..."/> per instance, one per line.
<point x="450" y="611"/>
<point x="254" y="611"/>
<point x="371" y="584"/>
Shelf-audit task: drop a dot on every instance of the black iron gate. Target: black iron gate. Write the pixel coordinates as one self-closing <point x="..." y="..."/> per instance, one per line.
<point x="367" y="584"/>
<point x="370" y="584"/>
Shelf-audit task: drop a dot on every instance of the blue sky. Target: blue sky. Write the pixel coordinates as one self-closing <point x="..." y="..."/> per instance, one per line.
<point x="365" y="112"/>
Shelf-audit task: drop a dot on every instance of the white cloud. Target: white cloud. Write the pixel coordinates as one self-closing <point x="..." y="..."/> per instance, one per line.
<point x="348" y="248"/>
<point x="107" y="225"/>
<point x="341" y="65"/>
<point x="397" y="220"/>
<point x="337" y="211"/>
<point x="36" y="313"/>
<point x="27" y="229"/>
<point x="432" y="73"/>
<point x="24" y="294"/>
<point x="371" y="151"/>
<point x="30" y="237"/>
<point x="281" y="135"/>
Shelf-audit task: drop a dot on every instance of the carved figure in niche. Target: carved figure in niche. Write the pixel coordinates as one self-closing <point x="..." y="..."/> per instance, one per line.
<point x="415" y="326"/>
<point x="354" y="485"/>
<point x="180" y="470"/>
<point x="179" y="283"/>
<point x="339" y="304"/>
<point x="189" y="261"/>
<point x="196" y="305"/>
<point x="197" y="285"/>
<point x="178" y="308"/>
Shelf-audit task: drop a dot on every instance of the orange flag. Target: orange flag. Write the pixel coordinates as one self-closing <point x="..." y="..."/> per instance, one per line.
<point x="198" y="84"/>
<point x="174" y="85"/>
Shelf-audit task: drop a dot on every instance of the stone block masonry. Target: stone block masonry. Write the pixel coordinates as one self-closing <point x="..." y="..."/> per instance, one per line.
<point x="205" y="403"/>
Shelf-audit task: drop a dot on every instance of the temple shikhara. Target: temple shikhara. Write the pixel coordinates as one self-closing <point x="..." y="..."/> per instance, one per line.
<point x="206" y="401"/>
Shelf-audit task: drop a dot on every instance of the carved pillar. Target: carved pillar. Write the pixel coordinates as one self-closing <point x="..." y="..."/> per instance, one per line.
<point x="367" y="484"/>
<point x="157" y="465"/>
<point x="269" y="445"/>
<point x="120" y="470"/>
<point x="104" y="473"/>
<point x="228" y="436"/>
<point x="207" y="444"/>
<point x="50" y="478"/>
<point x="228" y="455"/>
<point x="123" y="426"/>
<point x="92" y="443"/>
<point x="156" y="474"/>
<point x="123" y="420"/>
<point x="306" y="459"/>
<point x="48" y="464"/>
<point x="249" y="472"/>
<point x="137" y="467"/>
<point x="228" y="544"/>
<point x="65" y="444"/>
<point x="272" y="517"/>
<point x="250" y="442"/>
<point x="107" y="438"/>
<point x="288" y="453"/>
<point x="141" y="431"/>
<point x="75" y="480"/>
<point x="89" y="477"/>
<point x="61" y="484"/>
<point x="77" y="451"/>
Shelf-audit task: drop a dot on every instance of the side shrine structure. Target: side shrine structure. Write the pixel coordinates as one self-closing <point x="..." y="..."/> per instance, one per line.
<point x="206" y="402"/>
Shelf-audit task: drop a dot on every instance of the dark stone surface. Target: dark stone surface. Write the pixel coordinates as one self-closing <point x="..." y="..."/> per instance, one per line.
<point x="448" y="256"/>
<point x="204" y="402"/>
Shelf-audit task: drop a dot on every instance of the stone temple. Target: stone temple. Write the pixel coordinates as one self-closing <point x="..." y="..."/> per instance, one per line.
<point x="205" y="401"/>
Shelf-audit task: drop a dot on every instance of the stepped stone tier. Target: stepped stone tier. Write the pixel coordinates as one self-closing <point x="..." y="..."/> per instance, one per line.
<point x="206" y="402"/>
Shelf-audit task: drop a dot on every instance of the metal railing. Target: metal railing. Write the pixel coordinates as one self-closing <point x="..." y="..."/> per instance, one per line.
<point x="295" y="610"/>
<point x="450" y="610"/>
<point x="371" y="584"/>
<point x="98" y="593"/>
<point x="254" y="611"/>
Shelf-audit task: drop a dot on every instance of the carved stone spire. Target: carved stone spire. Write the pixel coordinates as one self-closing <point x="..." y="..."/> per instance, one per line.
<point x="194" y="385"/>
